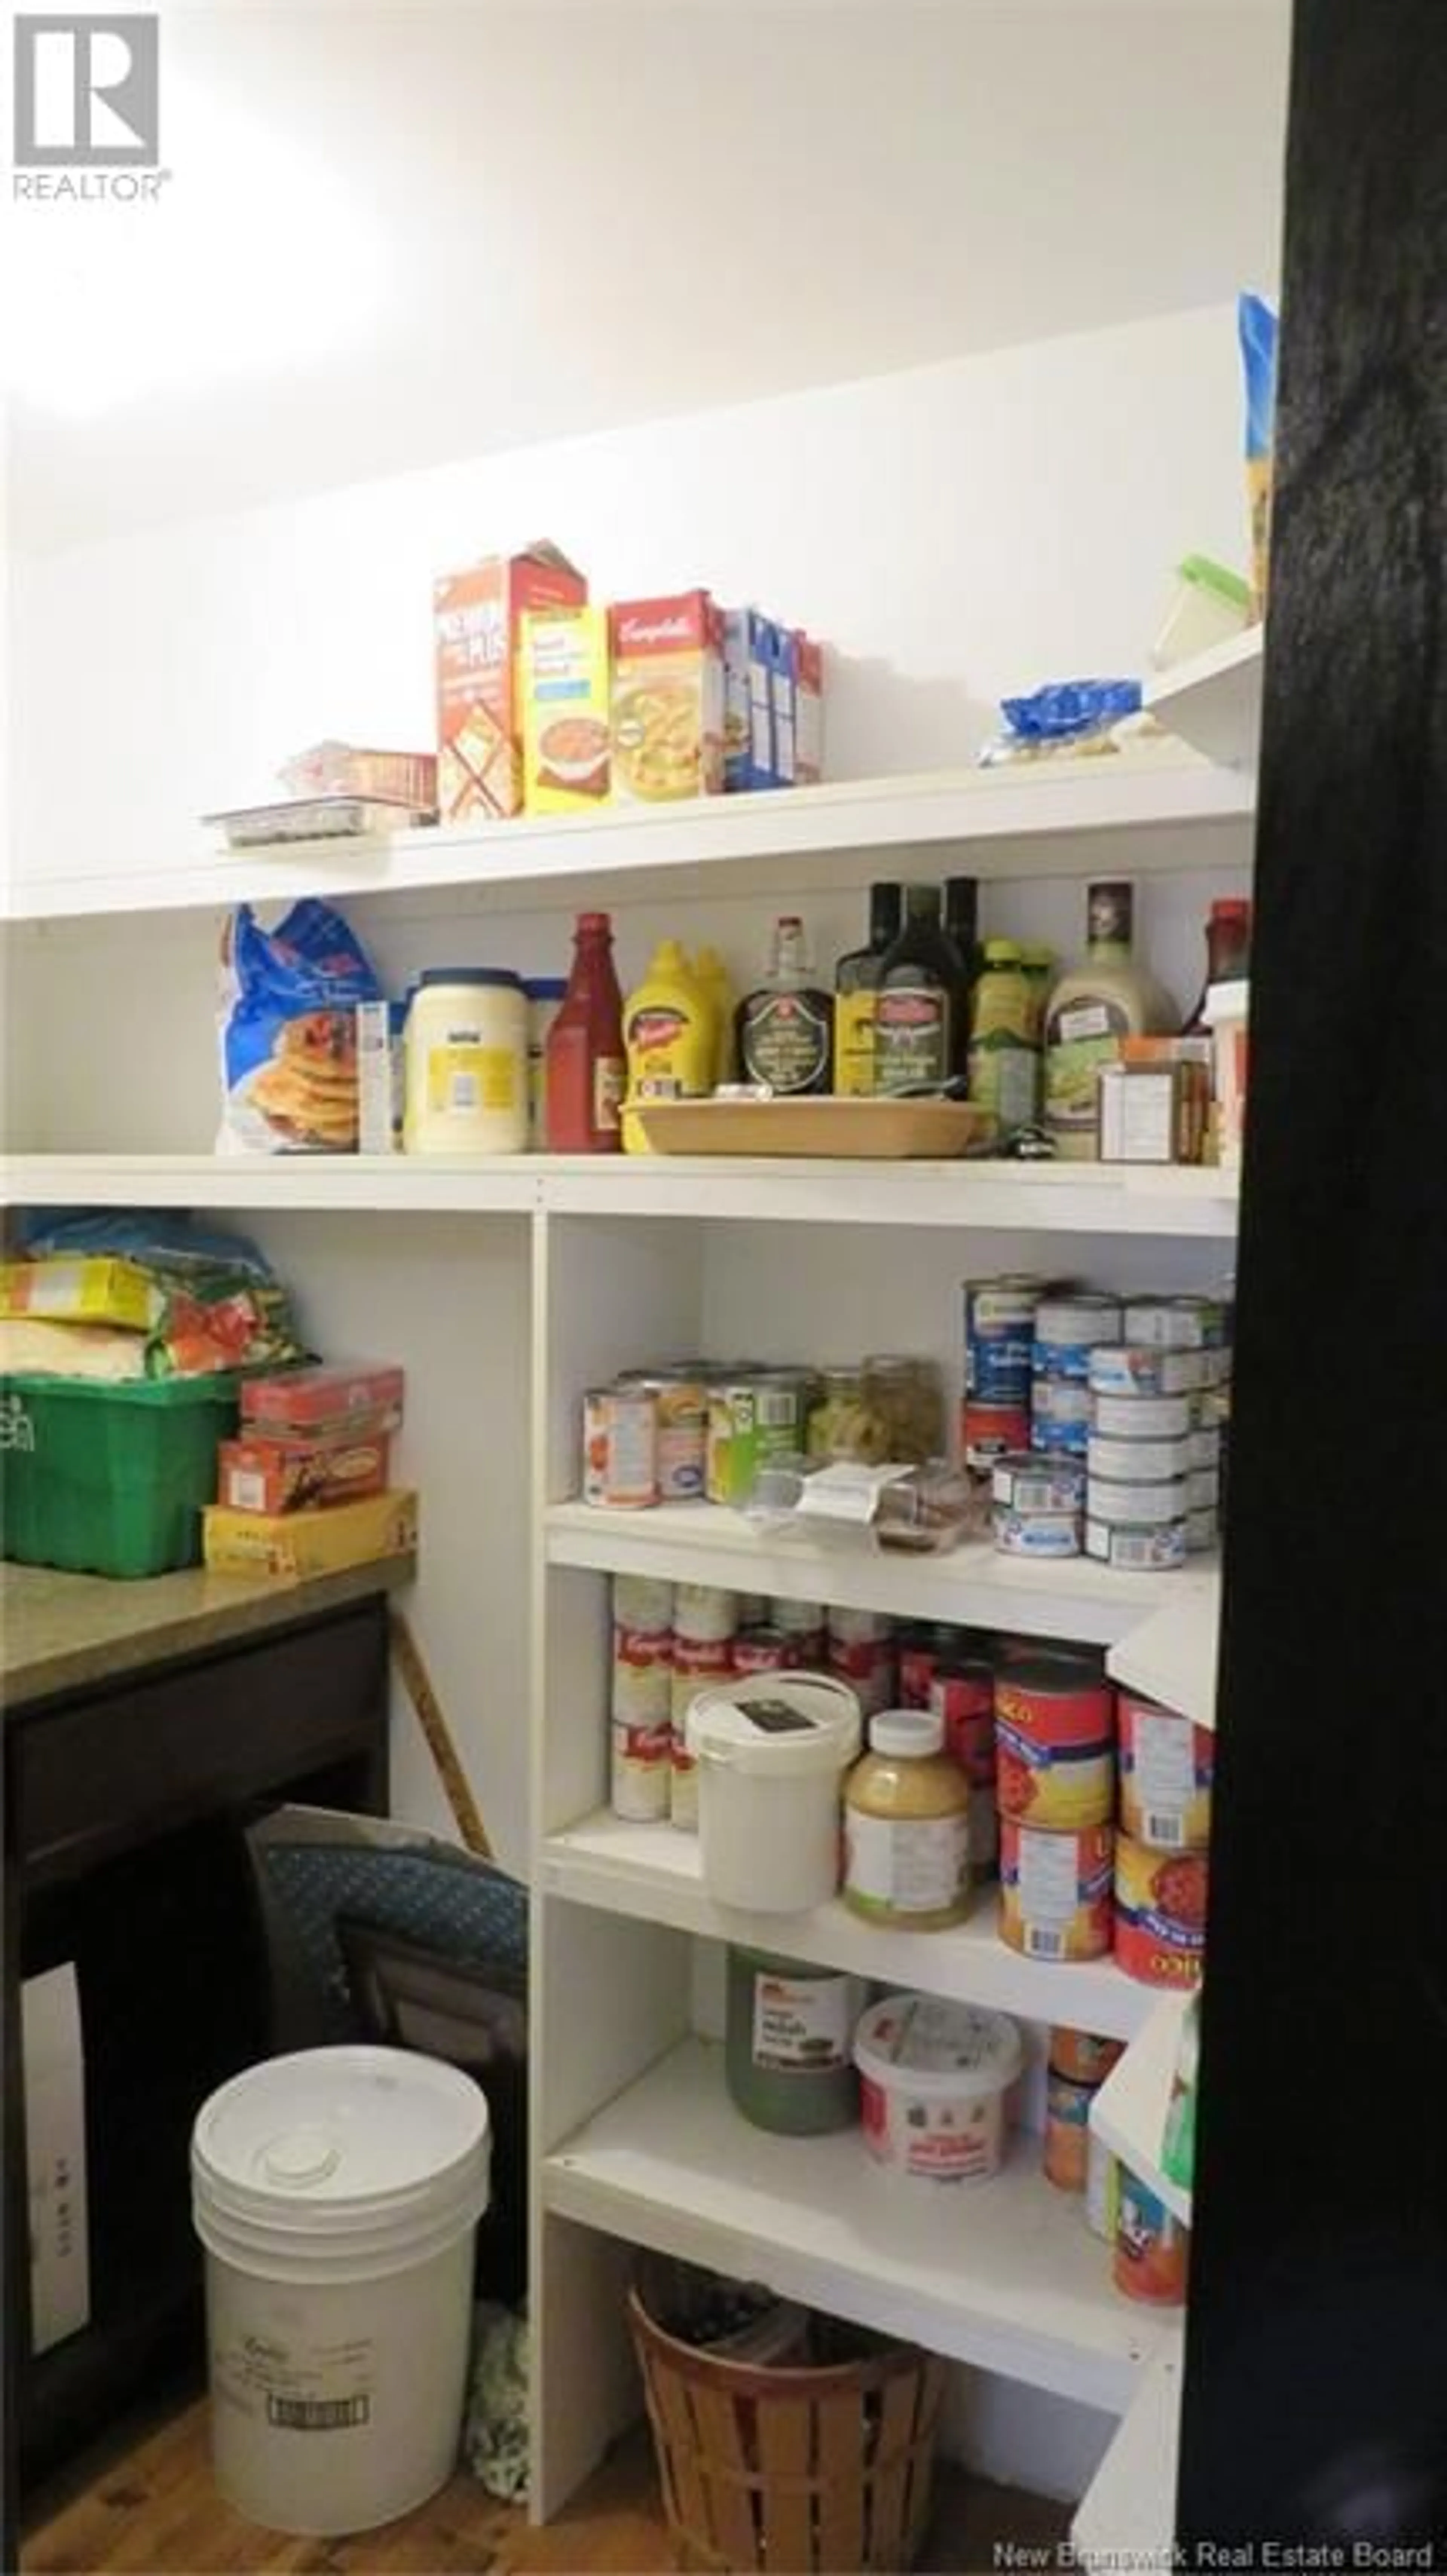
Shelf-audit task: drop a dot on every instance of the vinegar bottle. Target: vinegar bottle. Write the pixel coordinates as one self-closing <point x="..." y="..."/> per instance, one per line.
<point x="585" y="1065"/>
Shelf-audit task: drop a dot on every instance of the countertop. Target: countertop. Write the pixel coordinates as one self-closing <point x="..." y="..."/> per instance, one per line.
<point x="60" y="1632"/>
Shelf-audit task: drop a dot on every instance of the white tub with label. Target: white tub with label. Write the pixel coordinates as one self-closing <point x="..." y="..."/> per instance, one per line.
<point x="936" y="2079"/>
<point x="337" y="2194"/>
<point x="771" y="1754"/>
<point x="467" y="1062"/>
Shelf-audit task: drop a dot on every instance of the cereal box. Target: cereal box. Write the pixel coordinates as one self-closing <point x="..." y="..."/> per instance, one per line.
<point x="667" y="698"/>
<point x="748" y="710"/>
<point x="563" y="684"/>
<point x="780" y="653"/>
<point x="808" y="710"/>
<point x="476" y="619"/>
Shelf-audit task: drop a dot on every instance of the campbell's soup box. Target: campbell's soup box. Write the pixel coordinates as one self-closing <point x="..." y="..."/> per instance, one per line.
<point x="477" y="621"/>
<point x="668" y="698"/>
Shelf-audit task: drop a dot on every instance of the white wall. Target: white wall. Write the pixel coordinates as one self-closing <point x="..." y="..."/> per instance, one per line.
<point x="953" y="532"/>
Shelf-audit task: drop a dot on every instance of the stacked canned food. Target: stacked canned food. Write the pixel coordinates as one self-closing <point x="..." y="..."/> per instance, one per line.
<point x="1166" y="1768"/>
<point x="705" y="1430"/>
<point x="1158" y="1402"/>
<point x="1098" y="1421"/>
<point x="1055" y="1782"/>
<point x="671" y="1641"/>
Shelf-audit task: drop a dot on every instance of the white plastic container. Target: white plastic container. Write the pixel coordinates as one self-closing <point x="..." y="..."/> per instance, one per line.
<point x="1209" y="607"/>
<point x="1225" y="1015"/>
<point x="771" y="1754"/>
<point x="337" y="2194"/>
<point x="467" y="1062"/>
<point x="935" y="2079"/>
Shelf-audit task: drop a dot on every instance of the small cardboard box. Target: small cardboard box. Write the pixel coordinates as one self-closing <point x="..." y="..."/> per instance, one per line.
<point x="271" y="1477"/>
<point x="808" y="710"/>
<point x="380" y="1062"/>
<point x="296" y="1544"/>
<point x="668" y="693"/>
<point x="566" y="712"/>
<point x="477" y="618"/>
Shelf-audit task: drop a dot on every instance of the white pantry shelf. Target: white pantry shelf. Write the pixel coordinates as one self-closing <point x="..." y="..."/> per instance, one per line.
<point x="1129" y="2111"/>
<point x="1004" y="2274"/>
<point x="654" y="1874"/>
<point x="1172" y="1656"/>
<point x="1213" y="702"/>
<point x="973" y="1586"/>
<point x="1089" y="1198"/>
<point x="1025" y="821"/>
<point x="1036" y="1198"/>
<point x="1127" y="2519"/>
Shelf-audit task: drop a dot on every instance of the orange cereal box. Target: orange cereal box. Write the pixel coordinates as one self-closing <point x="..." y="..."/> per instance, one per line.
<point x="668" y="698"/>
<point x="477" y="616"/>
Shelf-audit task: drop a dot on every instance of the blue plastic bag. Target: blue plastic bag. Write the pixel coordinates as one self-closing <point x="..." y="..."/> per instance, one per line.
<point x="1257" y="328"/>
<point x="289" y="1032"/>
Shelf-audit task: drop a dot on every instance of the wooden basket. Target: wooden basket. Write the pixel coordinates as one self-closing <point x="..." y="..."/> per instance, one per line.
<point x="793" y="2471"/>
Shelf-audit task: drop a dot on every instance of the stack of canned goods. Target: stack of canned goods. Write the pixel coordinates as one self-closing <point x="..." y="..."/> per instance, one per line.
<point x="1055" y="1782"/>
<point x="1158" y="1399"/>
<point x="1098" y="1423"/>
<point x="706" y="1429"/>
<point x="671" y="1641"/>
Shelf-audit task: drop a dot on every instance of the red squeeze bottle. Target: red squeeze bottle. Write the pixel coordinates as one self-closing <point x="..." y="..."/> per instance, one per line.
<point x="585" y="1063"/>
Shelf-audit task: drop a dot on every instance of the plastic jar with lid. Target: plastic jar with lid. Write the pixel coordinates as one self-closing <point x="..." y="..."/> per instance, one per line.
<point x="905" y="1399"/>
<point x="467" y="1062"/>
<point x="906" y="1826"/>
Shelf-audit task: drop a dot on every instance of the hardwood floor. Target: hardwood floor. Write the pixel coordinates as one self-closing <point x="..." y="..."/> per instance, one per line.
<point x="154" y="2512"/>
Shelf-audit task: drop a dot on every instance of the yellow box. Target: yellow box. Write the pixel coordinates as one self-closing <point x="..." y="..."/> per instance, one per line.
<point x="301" y="1543"/>
<point x="90" y="1289"/>
<point x="563" y="682"/>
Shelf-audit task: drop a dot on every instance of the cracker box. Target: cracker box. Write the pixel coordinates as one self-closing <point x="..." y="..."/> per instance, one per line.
<point x="808" y="710"/>
<point x="566" y="715"/>
<point x="277" y="1476"/>
<point x="296" y="1544"/>
<point x="477" y="616"/>
<point x="748" y="710"/>
<point x="668" y="689"/>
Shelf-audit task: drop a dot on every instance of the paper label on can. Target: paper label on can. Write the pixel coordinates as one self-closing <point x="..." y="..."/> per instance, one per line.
<point x="1165" y="1773"/>
<point x="1049" y="1878"/>
<point x="914" y="1865"/>
<point x="802" y="2025"/>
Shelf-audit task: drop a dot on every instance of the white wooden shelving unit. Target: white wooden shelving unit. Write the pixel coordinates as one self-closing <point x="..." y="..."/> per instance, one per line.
<point x="1213" y="701"/>
<point x="634" y="2140"/>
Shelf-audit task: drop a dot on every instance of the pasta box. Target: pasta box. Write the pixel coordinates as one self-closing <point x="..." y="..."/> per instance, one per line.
<point x="477" y="617"/>
<point x="668" y="691"/>
<point x="808" y="710"/>
<point x="297" y="1544"/>
<point x="276" y="1476"/>
<point x="748" y="709"/>
<point x="353" y="1400"/>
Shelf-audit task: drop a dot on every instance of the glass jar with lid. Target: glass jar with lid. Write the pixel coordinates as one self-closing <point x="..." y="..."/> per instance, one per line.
<point x="839" y="1424"/>
<point x="905" y="1400"/>
<point x="906" y="1826"/>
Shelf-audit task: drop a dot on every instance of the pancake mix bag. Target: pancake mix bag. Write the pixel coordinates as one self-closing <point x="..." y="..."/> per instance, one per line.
<point x="288" y="1029"/>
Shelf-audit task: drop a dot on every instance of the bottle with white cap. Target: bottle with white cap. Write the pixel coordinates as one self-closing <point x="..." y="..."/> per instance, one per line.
<point x="906" y="1826"/>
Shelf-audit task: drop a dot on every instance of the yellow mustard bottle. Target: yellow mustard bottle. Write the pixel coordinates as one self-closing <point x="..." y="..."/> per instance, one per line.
<point x="668" y="1039"/>
<point x="710" y="971"/>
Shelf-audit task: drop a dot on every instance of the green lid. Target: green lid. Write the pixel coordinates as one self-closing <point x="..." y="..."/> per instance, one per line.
<point x="1206" y="574"/>
<point x="1037" y="957"/>
<point x="1004" y="952"/>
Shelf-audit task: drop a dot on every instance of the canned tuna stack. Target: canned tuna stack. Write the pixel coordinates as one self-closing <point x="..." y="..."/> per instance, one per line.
<point x="1166" y="1767"/>
<point x="1039" y="1494"/>
<point x="1157" y="1408"/>
<point x="1055" y="1783"/>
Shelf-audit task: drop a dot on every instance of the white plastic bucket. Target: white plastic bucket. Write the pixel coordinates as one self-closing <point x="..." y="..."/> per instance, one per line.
<point x="337" y="2195"/>
<point x="770" y="1752"/>
<point x="935" y="2079"/>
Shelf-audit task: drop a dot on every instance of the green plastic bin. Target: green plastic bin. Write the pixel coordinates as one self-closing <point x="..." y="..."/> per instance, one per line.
<point x="109" y="1479"/>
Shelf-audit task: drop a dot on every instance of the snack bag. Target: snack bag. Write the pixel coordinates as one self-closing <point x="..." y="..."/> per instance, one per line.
<point x="288" y="1028"/>
<point x="1256" y="325"/>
